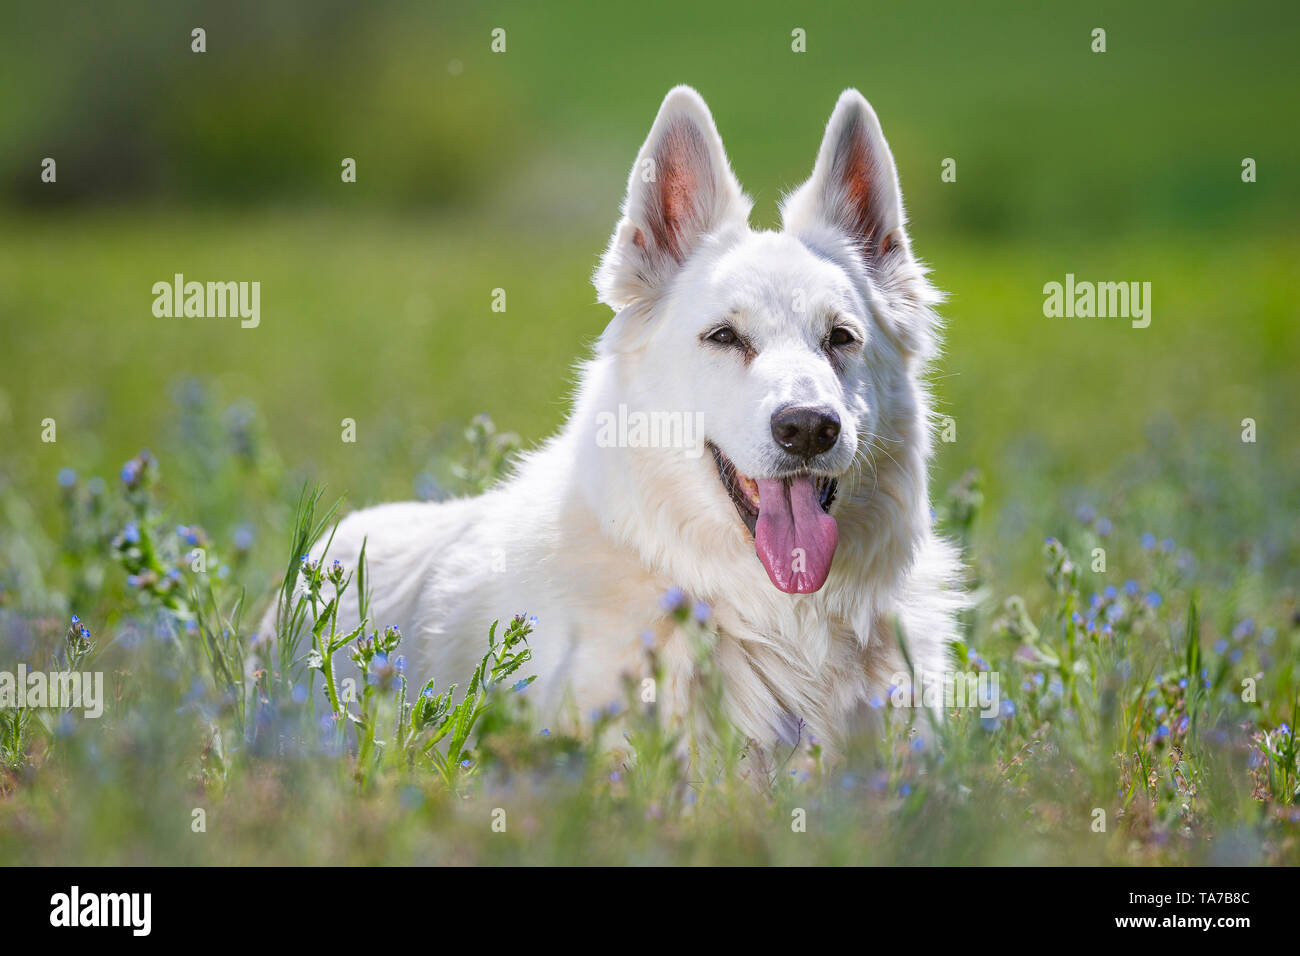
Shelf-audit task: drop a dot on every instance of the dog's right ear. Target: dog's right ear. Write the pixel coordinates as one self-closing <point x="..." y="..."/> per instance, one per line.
<point x="681" y="189"/>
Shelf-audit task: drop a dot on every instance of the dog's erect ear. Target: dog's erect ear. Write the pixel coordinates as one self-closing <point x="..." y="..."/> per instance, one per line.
<point x="853" y="193"/>
<point x="854" y="185"/>
<point x="681" y="190"/>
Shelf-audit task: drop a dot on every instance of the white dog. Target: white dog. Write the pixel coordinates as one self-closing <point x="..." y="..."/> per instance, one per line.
<point x="797" y="510"/>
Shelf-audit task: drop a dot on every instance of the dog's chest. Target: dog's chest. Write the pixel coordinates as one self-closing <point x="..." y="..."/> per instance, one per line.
<point x="782" y="684"/>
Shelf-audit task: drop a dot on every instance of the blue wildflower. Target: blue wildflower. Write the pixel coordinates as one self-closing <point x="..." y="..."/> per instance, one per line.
<point x="426" y="486"/>
<point x="672" y="599"/>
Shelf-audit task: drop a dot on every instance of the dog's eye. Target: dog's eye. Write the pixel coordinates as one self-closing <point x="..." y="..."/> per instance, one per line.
<point x="724" y="336"/>
<point x="840" y="337"/>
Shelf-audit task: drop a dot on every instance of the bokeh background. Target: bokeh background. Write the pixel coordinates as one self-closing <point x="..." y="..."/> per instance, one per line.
<point x="479" y="171"/>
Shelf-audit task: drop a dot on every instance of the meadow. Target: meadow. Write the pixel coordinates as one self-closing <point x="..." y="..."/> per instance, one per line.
<point x="1161" y="691"/>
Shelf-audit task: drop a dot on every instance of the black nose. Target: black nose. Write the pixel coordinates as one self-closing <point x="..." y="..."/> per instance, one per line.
<point x="805" y="431"/>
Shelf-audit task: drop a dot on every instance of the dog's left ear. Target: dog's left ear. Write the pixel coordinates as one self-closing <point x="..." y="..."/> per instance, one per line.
<point x="681" y="190"/>
<point x="853" y="194"/>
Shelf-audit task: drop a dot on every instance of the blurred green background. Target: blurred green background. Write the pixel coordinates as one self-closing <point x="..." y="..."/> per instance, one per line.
<point x="479" y="171"/>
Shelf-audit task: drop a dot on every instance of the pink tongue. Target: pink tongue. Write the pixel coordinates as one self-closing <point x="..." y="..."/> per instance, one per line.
<point x="795" y="539"/>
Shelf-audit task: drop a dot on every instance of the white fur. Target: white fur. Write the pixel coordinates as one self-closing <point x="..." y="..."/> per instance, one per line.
<point x="591" y="537"/>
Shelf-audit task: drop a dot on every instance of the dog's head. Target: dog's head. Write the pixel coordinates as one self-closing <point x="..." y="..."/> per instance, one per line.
<point x="800" y="347"/>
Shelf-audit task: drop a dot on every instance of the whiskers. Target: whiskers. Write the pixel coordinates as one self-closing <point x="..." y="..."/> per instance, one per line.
<point x="865" y="458"/>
